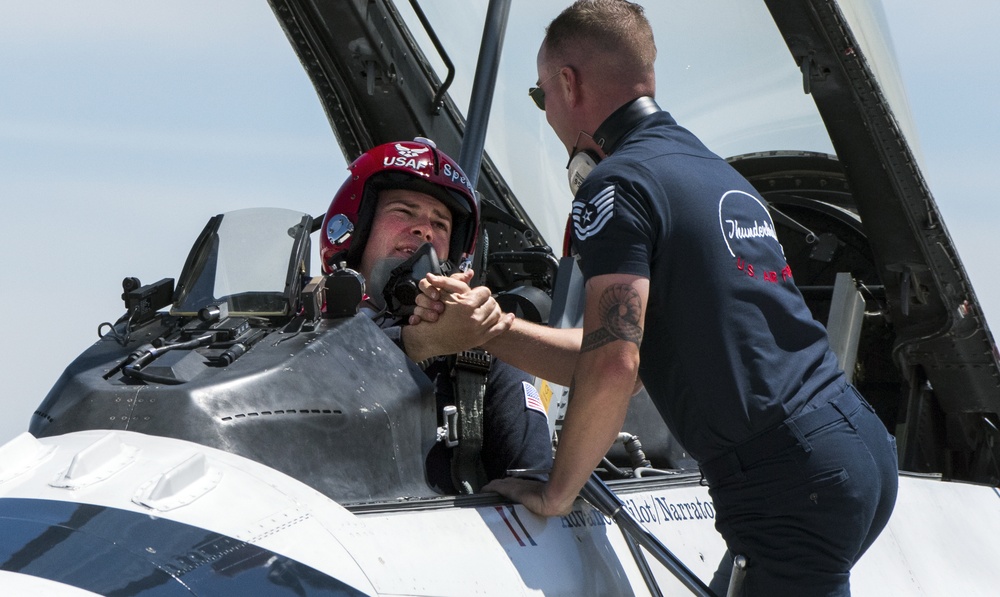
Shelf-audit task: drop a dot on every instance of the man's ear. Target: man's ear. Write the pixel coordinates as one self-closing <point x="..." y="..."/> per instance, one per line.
<point x="570" y="85"/>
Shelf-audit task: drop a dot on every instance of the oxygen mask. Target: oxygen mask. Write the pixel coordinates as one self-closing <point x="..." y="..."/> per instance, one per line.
<point x="401" y="290"/>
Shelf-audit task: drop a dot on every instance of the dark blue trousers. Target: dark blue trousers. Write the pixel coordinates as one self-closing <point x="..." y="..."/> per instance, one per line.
<point x="805" y="500"/>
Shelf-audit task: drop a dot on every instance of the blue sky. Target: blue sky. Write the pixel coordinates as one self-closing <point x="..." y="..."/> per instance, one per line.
<point x="124" y="126"/>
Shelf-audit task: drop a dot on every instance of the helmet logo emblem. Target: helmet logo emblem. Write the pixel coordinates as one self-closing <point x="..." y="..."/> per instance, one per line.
<point x="407" y="152"/>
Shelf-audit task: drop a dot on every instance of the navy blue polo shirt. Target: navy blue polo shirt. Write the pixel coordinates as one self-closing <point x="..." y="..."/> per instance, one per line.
<point x="729" y="348"/>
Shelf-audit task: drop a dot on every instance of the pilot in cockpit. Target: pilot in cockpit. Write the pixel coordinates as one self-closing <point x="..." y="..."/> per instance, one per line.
<point x="408" y="200"/>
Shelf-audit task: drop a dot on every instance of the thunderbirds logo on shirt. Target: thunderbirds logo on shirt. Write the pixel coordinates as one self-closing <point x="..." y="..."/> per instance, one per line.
<point x="743" y="218"/>
<point x="745" y="223"/>
<point x="590" y="216"/>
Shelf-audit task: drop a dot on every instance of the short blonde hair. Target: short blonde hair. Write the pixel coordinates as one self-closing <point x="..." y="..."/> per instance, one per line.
<point x="618" y="29"/>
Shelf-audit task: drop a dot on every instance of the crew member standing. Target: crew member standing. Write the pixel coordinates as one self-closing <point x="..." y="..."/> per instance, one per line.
<point x="687" y="288"/>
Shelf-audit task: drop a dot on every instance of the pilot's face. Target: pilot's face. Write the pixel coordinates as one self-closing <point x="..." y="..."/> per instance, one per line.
<point x="404" y="220"/>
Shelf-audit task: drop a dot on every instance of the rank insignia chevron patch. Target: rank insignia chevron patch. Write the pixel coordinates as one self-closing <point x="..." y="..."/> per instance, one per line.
<point x="589" y="217"/>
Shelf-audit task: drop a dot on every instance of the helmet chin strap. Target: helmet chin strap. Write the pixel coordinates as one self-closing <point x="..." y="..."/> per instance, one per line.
<point x="607" y="136"/>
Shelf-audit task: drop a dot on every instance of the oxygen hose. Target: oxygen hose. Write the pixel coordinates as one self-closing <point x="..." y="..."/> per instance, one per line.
<point x="634" y="450"/>
<point x="240" y="348"/>
<point x="147" y="352"/>
<point x="637" y="458"/>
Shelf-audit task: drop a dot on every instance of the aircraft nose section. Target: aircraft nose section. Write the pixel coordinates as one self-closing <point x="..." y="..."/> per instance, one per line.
<point x="25" y="584"/>
<point x="84" y="549"/>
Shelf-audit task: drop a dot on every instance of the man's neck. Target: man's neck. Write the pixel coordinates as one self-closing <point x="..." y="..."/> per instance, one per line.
<point x="623" y="120"/>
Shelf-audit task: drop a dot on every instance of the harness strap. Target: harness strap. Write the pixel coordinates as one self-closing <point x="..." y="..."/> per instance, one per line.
<point x="469" y="376"/>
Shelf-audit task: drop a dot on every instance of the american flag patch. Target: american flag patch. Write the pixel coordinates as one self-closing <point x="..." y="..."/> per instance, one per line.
<point x="531" y="398"/>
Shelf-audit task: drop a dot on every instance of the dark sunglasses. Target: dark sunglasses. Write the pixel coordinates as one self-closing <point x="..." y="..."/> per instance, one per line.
<point x="538" y="94"/>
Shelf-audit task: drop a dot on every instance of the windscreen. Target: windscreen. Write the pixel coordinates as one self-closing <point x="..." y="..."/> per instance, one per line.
<point x="243" y="260"/>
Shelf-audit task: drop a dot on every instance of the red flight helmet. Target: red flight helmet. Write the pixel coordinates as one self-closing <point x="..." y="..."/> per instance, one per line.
<point x="417" y="165"/>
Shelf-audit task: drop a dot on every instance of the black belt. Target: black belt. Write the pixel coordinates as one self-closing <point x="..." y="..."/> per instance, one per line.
<point x="777" y="439"/>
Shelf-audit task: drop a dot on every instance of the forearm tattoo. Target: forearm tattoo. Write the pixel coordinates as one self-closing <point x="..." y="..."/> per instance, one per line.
<point x="620" y="308"/>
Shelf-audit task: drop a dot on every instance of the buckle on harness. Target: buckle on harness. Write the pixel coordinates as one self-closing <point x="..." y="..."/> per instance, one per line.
<point x="477" y="361"/>
<point x="448" y="433"/>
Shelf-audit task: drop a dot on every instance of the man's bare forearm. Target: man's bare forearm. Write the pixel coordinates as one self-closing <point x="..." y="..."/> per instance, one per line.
<point x="549" y="353"/>
<point x="597" y="408"/>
